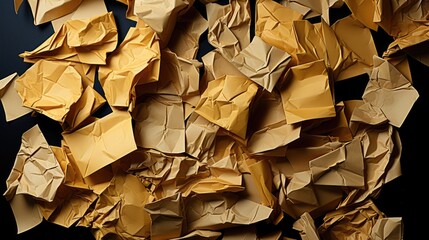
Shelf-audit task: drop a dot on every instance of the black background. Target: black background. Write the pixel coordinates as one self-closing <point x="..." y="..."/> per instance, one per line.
<point x="403" y="197"/>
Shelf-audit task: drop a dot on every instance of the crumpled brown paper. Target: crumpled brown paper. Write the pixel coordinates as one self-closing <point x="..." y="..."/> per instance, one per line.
<point x="306" y="93"/>
<point x="382" y="161"/>
<point x="200" y="135"/>
<point x="364" y="11"/>
<point x="399" y="19"/>
<point x="389" y="92"/>
<point x="201" y="234"/>
<point x="161" y="16"/>
<point x="45" y="10"/>
<point x="189" y="28"/>
<point x="159" y="124"/>
<point x="388" y="228"/>
<point x="86" y="9"/>
<point x="226" y="103"/>
<point x="26" y="212"/>
<point x="68" y="207"/>
<point x="270" y="131"/>
<point x="357" y="219"/>
<point x="85" y="41"/>
<point x="342" y="167"/>
<point x="189" y="176"/>
<point x="50" y="87"/>
<point x="229" y="27"/>
<point x="233" y="147"/>
<point x="216" y="66"/>
<point x="338" y="127"/>
<point x="177" y="76"/>
<point x="95" y="145"/>
<point x="274" y="24"/>
<point x="167" y="216"/>
<point x="120" y="210"/>
<point x="215" y="212"/>
<point x="300" y="195"/>
<point x="306" y="227"/>
<point x="135" y="61"/>
<point x="36" y="171"/>
<point x="262" y="63"/>
<point x="89" y="102"/>
<point x="12" y="103"/>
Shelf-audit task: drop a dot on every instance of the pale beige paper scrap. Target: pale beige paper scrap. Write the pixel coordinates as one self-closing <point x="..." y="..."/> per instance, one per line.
<point x="229" y="27"/>
<point x="226" y="103"/>
<point x="160" y="124"/>
<point x="46" y="10"/>
<point x="390" y="228"/>
<point x="96" y="145"/>
<point x="36" y="171"/>
<point x="341" y="167"/>
<point x="161" y="16"/>
<point x="80" y="40"/>
<point x="26" y="212"/>
<point x="50" y="88"/>
<point x="12" y="103"/>
<point x="306" y="94"/>
<point x="135" y="61"/>
<point x="262" y="63"/>
<point x="389" y="91"/>
<point x="306" y="227"/>
<point x="87" y="9"/>
<point x="168" y="217"/>
<point x="187" y="32"/>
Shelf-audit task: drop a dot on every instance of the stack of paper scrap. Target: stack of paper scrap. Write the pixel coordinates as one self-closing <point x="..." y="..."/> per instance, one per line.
<point x="225" y="146"/>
